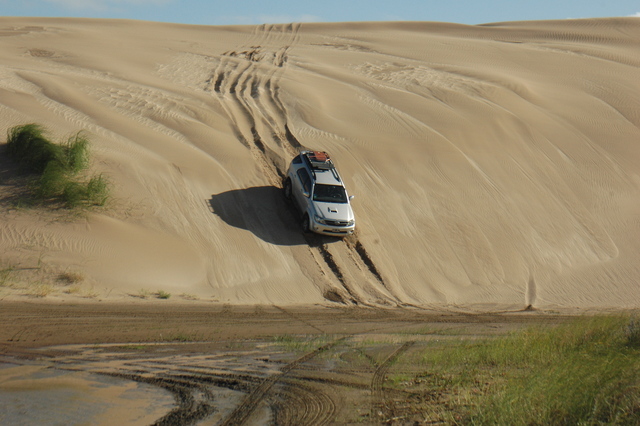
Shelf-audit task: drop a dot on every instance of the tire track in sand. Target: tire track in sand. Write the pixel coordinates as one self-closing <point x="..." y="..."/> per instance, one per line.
<point x="246" y="83"/>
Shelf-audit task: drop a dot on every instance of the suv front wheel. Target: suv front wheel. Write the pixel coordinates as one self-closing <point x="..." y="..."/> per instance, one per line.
<point x="287" y="188"/>
<point x="306" y="227"/>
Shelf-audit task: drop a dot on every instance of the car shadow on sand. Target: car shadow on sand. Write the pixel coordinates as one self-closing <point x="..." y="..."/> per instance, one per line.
<point x="265" y="212"/>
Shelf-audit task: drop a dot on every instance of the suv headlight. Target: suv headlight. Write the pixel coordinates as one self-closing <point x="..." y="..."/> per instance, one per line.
<point x="352" y="222"/>
<point x="319" y="219"/>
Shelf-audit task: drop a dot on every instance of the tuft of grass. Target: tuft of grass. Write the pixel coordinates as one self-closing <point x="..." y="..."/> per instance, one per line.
<point x="70" y="277"/>
<point x="76" y="151"/>
<point x="161" y="294"/>
<point x="5" y="274"/>
<point x="40" y="290"/>
<point x="302" y="343"/>
<point x="143" y="293"/>
<point x="89" y="293"/>
<point x="58" y="166"/>
<point x="188" y="296"/>
<point x="73" y="289"/>
<point x="98" y="190"/>
<point x="132" y="347"/>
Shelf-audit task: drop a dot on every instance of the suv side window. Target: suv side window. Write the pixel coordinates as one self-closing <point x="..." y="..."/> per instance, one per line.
<point x="305" y="179"/>
<point x="297" y="160"/>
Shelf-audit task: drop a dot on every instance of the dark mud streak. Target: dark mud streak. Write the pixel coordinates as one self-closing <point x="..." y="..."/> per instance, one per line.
<point x="189" y="411"/>
<point x="235" y="382"/>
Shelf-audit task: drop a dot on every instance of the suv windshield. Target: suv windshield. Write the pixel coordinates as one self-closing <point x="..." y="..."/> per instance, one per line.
<point x="329" y="193"/>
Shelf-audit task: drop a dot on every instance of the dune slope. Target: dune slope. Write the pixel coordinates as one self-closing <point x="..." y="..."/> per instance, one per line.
<point x="493" y="166"/>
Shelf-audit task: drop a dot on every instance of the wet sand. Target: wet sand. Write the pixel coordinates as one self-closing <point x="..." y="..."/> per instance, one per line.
<point x="218" y="364"/>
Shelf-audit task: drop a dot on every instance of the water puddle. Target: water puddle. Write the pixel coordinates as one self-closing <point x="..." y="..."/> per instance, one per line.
<point x="44" y="395"/>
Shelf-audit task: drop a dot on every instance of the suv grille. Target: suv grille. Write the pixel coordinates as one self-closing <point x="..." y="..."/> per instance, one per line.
<point x="336" y="222"/>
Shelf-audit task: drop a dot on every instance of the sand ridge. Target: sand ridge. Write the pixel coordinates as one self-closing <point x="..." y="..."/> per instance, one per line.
<point x="493" y="165"/>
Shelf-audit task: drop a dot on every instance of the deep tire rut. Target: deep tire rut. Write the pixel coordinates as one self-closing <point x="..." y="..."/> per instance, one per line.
<point x="246" y="83"/>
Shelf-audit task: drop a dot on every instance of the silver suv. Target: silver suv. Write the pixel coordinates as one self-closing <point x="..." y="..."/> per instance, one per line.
<point x="316" y="189"/>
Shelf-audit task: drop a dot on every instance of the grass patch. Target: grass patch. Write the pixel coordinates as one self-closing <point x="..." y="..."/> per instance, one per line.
<point x="70" y="277"/>
<point x="40" y="290"/>
<point x="187" y="296"/>
<point x="5" y="274"/>
<point x="304" y="343"/>
<point x="161" y="294"/>
<point x="73" y="289"/>
<point x="132" y="347"/>
<point x="58" y="167"/>
<point x="143" y="293"/>
<point x="583" y="372"/>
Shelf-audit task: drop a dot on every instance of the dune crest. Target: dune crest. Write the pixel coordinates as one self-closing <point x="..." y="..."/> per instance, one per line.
<point x="494" y="166"/>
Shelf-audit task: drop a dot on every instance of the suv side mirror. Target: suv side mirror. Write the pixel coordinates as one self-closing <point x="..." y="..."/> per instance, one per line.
<point x="351" y="197"/>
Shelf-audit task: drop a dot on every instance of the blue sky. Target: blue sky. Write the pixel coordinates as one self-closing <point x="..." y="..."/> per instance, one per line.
<point x="238" y="12"/>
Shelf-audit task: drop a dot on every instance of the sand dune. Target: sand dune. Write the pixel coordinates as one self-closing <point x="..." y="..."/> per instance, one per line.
<point x="494" y="166"/>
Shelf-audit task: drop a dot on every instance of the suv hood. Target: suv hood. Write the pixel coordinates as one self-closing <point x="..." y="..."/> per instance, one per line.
<point x="333" y="211"/>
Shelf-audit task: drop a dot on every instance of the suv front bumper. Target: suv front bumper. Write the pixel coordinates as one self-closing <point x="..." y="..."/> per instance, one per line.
<point x="328" y="229"/>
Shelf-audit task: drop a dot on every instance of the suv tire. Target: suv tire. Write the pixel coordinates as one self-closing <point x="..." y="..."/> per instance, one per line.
<point x="287" y="188"/>
<point x="305" y="224"/>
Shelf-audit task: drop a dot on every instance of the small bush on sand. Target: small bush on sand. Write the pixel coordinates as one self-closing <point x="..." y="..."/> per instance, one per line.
<point x="163" y="294"/>
<point x="70" y="277"/>
<point x="28" y="144"/>
<point x="58" y="166"/>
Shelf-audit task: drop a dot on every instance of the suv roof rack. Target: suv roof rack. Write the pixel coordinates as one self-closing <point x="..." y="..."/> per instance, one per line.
<point x="320" y="160"/>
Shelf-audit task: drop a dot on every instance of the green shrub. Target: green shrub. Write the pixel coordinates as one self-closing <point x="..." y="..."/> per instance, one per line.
<point x="77" y="153"/>
<point x="163" y="294"/>
<point x="98" y="190"/>
<point x="58" y="166"/>
<point x="29" y="146"/>
<point x="52" y="181"/>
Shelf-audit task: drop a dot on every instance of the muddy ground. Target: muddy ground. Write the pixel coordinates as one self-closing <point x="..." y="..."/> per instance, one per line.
<point x="222" y="364"/>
